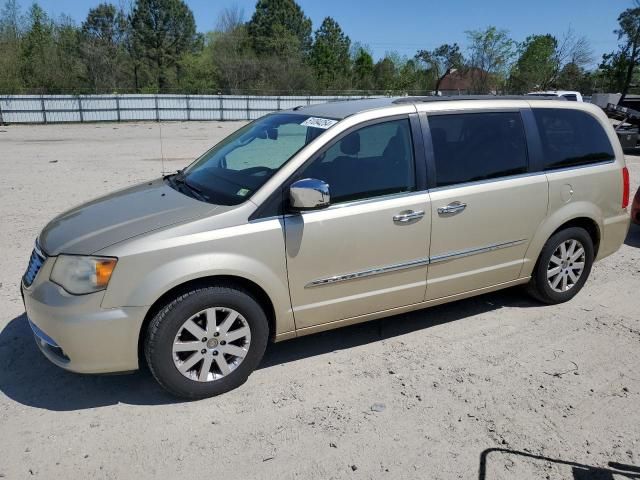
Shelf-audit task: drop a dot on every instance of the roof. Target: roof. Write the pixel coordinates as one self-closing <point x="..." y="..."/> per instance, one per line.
<point x="346" y="108"/>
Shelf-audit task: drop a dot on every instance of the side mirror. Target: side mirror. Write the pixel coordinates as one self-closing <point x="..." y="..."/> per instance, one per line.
<point x="309" y="194"/>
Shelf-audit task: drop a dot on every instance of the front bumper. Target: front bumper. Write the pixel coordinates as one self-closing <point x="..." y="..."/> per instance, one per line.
<point x="75" y="333"/>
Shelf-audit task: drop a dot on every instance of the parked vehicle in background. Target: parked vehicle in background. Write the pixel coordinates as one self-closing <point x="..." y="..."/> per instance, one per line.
<point x="568" y="94"/>
<point x="635" y="208"/>
<point x="325" y="216"/>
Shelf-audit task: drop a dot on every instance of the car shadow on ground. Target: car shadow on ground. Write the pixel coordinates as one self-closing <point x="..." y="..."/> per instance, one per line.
<point x="633" y="237"/>
<point x="27" y="377"/>
<point x="579" y="471"/>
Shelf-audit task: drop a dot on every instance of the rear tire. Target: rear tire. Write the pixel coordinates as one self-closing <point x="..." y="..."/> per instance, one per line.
<point x="563" y="266"/>
<point x="206" y="341"/>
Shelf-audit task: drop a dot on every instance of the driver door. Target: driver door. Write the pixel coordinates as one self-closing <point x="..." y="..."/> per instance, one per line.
<point x="368" y="251"/>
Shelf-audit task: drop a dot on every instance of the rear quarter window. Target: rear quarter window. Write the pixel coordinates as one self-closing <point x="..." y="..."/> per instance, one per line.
<point x="571" y="138"/>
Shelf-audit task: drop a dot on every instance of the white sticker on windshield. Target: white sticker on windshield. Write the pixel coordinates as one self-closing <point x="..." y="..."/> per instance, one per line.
<point x="317" y="122"/>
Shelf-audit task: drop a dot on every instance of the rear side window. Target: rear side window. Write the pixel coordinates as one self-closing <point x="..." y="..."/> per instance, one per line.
<point x="477" y="146"/>
<point x="571" y="138"/>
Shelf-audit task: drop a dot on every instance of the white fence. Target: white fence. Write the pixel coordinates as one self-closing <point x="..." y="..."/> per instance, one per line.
<point x="125" y="108"/>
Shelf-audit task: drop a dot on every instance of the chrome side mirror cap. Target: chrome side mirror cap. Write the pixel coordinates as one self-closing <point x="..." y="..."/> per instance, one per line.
<point x="309" y="194"/>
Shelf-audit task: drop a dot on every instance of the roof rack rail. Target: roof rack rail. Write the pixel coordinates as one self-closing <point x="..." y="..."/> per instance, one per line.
<point x="443" y="98"/>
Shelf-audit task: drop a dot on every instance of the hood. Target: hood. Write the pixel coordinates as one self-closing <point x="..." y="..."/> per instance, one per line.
<point x="118" y="216"/>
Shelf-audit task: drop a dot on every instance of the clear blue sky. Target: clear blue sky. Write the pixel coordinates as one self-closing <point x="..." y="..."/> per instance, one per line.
<point x="408" y="25"/>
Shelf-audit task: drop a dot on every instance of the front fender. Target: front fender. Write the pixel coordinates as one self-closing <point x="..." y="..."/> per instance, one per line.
<point x="150" y="267"/>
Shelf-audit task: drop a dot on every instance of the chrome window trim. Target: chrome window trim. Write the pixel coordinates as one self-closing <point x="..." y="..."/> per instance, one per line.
<point x="574" y="167"/>
<point x="367" y="273"/>
<point x="486" y="180"/>
<point x="458" y="111"/>
<point x="474" y="251"/>
<point x="353" y="203"/>
<point x="521" y="175"/>
<point x="413" y="263"/>
<point x="380" y="198"/>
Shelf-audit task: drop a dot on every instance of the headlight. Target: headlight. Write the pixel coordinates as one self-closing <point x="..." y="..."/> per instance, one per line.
<point x="79" y="275"/>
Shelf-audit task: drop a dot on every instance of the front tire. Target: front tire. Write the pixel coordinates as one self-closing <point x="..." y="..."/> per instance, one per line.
<point x="563" y="266"/>
<point x="206" y="341"/>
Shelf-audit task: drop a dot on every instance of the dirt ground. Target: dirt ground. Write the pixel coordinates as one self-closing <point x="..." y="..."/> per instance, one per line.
<point x="493" y="387"/>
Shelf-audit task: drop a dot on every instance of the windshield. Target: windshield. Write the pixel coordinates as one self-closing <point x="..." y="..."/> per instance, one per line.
<point x="235" y="168"/>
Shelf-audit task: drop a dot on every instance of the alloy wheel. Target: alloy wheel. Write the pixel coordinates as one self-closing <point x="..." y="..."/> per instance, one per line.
<point x="211" y="344"/>
<point x="566" y="265"/>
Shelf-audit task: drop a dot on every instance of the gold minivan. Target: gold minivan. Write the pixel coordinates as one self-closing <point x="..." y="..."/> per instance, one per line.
<point x="324" y="216"/>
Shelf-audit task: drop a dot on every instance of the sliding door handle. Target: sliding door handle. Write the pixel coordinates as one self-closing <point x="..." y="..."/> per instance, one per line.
<point x="408" y="216"/>
<point x="452" y="208"/>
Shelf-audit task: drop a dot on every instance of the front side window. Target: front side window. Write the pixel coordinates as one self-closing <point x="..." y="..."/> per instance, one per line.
<point x="477" y="146"/>
<point x="571" y="138"/>
<point x="239" y="165"/>
<point x="373" y="161"/>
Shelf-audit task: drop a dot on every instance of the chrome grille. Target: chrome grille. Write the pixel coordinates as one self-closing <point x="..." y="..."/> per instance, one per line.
<point x="35" y="263"/>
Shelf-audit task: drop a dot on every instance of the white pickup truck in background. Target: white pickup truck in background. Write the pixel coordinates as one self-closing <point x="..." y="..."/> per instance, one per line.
<point x="569" y="95"/>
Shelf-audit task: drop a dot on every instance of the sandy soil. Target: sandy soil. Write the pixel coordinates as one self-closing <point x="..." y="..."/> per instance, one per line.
<point x="493" y="387"/>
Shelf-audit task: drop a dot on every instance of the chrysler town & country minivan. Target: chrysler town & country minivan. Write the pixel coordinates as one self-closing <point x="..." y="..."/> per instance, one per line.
<point x="323" y="216"/>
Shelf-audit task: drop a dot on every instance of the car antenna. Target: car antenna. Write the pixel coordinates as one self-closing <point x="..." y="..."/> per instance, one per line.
<point x="163" y="173"/>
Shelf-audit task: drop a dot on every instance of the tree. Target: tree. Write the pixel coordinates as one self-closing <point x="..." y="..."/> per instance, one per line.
<point x="536" y="66"/>
<point x="163" y="32"/>
<point x="103" y="46"/>
<point x="330" y="55"/>
<point x="613" y="71"/>
<point x="384" y="74"/>
<point x="10" y="44"/>
<point x="573" y="77"/>
<point x="629" y="35"/>
<point x="441" y="60"/>
<point x="491" y="53"/>
<point x="543" y="59"/>
<point x="37" y="51"/>
<point x="230" y="19"/>
<point x="363" y="67"/>
<point x="279" y="27"/>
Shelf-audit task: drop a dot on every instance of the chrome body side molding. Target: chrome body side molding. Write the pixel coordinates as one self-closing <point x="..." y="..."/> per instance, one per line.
<point x="412" y="264"/>
<point x="367" y="273"/>
<point x="474" y="251"/>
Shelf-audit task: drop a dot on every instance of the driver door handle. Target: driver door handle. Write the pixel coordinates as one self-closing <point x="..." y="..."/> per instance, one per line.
<point x="406" y="217"/>
<point x="452" y="208"/>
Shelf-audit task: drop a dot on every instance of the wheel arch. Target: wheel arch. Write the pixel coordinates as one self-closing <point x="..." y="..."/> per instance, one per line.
<point x="255" y="290"/>
<point x="587" y="223"/>
<point x="574" y="217"/>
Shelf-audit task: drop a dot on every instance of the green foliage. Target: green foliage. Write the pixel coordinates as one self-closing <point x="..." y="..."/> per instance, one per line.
<point x="363" y="68"/>
<point x="441" y="59"/>
<point x="10" y="40"/>
<point x="537" y="65"/>
<point x="491" y="53"/>
<point x="613" y="72"/>
<point x="153" y="46"/>
<point x="629" y="36"/>
<point x="330" y="56"/>
<point x="103" y="50"/>
<point x="279" y="27"/>
<point x="162" y="32"/>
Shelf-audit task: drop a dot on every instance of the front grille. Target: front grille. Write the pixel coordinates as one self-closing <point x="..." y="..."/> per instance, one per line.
<point x="35" y="263"/>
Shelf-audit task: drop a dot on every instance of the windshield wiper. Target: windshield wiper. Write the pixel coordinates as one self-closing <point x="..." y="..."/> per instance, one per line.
<point x="181" y="180"/>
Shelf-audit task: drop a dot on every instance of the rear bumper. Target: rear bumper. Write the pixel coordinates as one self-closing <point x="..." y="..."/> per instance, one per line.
<point x="76" y="334"/>
<point x="613" y="235"/>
